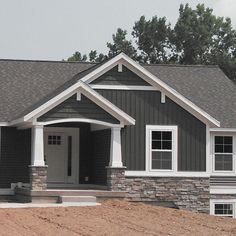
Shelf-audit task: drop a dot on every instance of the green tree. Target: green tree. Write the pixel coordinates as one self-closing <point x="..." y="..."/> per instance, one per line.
<point x="77" y="56"/>
<point x="121" y="44"/>
<point x="94" y="57"/>
<point x="152" y="37"/>
<point x="200" y="37"/>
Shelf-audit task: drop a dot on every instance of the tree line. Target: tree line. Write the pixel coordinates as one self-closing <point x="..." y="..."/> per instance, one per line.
<point x="198" y="37"/>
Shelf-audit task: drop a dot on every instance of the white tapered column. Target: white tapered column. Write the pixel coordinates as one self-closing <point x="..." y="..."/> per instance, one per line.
<point x="115" y="151"/>
<point x="37" y="146"/>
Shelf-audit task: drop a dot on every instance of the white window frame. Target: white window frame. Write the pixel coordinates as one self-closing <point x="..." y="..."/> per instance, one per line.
<point x="233" y="154"/>
<point x="213" y="202"/>
<point x="174" y="131"/>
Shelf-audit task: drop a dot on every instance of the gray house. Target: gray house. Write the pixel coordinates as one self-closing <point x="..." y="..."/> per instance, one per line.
<point x="119" y="129"/>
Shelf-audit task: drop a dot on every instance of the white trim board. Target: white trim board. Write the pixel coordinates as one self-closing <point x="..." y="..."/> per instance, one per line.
<point x="223" y="130"/>
<point x="166" y="174"/>
<point x="3" y="124"/>
<point x="86" y="91"/>
<point x="222" y="189"/>
<point x="90" y="121"/>
<point x="123" y="87"/>
<point x="155" y="82"/>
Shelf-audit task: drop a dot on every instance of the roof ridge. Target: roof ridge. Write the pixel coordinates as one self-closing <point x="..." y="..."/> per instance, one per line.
<point x="180" y="65"/>
<point x="50" y="61"/>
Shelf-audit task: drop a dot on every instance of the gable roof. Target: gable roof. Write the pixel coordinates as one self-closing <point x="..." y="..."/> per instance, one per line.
<point x="206" y="86"/>
<point x="26" y="84"/>
<point x="23" y="83"/>
<point x="83" y="88"/>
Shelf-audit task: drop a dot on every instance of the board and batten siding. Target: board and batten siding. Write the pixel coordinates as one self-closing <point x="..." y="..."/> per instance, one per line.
<point x="71" y="108"/>
<point x="100" y="155"/>
<point x="126" y="77"/>
<point x="146" y="108"/>
<point x="15" y="156"/>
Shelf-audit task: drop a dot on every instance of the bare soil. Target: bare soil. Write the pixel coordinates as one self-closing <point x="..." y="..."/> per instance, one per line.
<point x="113" y="217"/>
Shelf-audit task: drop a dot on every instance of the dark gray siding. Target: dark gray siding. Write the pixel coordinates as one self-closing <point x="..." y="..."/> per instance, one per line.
<point x="145" y="107"/>
<point x="85" y="154"/>
<point x="126" y="77"/>
<point x="71" y="108"/>
<point x="101" y="155"/>
<point x="15" y="156"/>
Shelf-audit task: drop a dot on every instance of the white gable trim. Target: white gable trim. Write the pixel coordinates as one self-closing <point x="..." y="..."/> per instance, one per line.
<point x="3" y="124"/>
<point x="123" y="87"/>
<point x="88" y="92"/>
<point x="82" y="120"/>
<point x="155" y="82"/>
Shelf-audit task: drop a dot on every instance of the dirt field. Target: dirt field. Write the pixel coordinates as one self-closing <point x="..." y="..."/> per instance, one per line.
<point x="112" y="218"/>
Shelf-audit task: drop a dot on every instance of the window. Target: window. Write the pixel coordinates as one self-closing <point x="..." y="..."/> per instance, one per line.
<point x="223" y="149"/>
<point x="161" y="147"/>
<point x="54" y="140"/>
<point x="224" y="209"/>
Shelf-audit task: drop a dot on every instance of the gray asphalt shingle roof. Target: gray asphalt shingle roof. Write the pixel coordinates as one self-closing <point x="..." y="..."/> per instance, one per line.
<point x="26" y="84"/>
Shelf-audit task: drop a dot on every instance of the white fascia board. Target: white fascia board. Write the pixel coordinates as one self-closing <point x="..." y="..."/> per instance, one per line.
<point x="88" y="92"/>
<point x="3" y="124"/>
<point x="223" y="130"/>
<point x="154" y="81"/>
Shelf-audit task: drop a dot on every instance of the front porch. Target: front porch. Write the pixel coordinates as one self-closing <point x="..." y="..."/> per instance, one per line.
<point x="73" y="158"/>
<point x="70" y="154"/>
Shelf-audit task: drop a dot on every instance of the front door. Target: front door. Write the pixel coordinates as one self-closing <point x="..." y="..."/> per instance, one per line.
<point x="61" y="156"/>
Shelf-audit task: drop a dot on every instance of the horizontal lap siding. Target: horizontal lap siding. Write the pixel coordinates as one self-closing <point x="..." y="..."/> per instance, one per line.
<point x="71" y="108"/>
<point x="146" y="108"/>
<point x="126" y="77"/>
<point x="15" y="156"/>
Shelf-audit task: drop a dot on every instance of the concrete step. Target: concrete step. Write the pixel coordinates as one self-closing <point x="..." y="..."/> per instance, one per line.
<point x="78" y="199"/>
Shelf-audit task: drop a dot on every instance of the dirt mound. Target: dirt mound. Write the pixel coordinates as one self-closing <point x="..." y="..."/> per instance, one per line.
<point x="113" y="217"/>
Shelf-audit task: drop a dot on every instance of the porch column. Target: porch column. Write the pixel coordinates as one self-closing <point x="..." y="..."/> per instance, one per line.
<point x="115" y="151"/>
<point x="116" y="170"/>
<point x="38" y="169"/>
<point x="37" y="145"/>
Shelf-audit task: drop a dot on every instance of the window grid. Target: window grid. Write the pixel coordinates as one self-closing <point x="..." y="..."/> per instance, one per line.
<point x="223" y="150"/>
<point x="161" y="143"/>
<point x="224" y="209"/>
<point x="54" y="140"/>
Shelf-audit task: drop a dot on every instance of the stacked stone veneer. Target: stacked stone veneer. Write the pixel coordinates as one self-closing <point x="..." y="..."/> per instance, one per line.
<point x="38" y="177"/>
<point x="190" y="193"/>
<point x="116" y="178"/>
<point x="184" y="192"/>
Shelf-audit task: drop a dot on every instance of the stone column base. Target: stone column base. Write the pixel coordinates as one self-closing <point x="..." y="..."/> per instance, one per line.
<point x="116" y="178"/>
<point x="38" y="177"/>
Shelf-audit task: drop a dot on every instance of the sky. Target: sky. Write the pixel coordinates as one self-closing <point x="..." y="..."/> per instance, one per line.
<point x="55" y="29"/>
